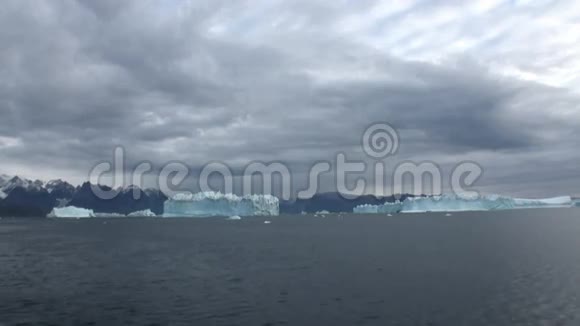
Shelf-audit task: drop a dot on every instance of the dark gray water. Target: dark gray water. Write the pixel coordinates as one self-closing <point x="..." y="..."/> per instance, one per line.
<point x="489" y="269"/>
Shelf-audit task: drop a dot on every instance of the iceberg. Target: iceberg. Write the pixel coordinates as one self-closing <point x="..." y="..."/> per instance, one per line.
<point x="455" y="203"/>
<point x="71" y="212"/>
<point x="206" y="204"/>
<point x="109" y="215"/>
<point x="143" y="213"/>
<point x="386" y="208"/>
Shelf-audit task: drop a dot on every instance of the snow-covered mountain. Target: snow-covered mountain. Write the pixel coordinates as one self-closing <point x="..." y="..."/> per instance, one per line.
<point x="8" y="183"/>
<point x="3" y="179"/>
<point x="56" y="184"/>
<point x="60" y="189"/>
<point x="24" y="197"/>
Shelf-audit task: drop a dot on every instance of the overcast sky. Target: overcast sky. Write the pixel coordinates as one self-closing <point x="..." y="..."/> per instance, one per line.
<point x="497" y="82"/>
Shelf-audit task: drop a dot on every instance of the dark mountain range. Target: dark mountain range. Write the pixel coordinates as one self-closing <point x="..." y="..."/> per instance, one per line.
<point x="25" y="198"/>
<point x="22" y="202"/>
<point x="126" y="200"/>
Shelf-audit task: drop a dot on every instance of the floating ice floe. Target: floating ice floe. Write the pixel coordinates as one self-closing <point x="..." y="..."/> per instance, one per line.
<point x="234" y="218"/>
<point x="206" y="204"/>
<point x="71" y="212"/>
<point x="143" y="213"/>
<point x="109" y="215"/>
<point x="451" y="203"/>
<point x="76" y="212"/>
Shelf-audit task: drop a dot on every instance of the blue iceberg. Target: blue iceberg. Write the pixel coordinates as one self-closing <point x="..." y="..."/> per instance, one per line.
<point x="454" y="203"/>
<point x="71" y="212"/>
<point x="386" y="208"/>
<point x="206" y="204"/>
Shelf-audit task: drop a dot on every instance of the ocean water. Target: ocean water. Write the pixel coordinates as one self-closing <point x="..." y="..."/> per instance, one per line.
<point x="517" y="267"/>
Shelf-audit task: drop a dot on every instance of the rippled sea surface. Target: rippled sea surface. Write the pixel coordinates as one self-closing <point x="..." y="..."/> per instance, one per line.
<point x="502" y="268"/>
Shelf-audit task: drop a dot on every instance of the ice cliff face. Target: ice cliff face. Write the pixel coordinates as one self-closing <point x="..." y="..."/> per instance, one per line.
<point x="386" y="208"/>
<point x="206" y="204"/>
<point x="450" y="203"/>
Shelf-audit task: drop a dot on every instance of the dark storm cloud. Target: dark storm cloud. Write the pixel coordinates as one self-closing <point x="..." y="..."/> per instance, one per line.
<point x="173" y="80"/>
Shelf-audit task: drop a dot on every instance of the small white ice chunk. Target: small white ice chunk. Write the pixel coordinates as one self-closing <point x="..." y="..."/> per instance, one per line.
<point x="143" y="213"/>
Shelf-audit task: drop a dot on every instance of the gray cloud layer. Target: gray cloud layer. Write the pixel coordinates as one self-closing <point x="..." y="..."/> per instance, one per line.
<point x="296" y="82"/>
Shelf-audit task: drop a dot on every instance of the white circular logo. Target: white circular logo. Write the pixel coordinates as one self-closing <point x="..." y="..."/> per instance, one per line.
<point x="380" y="140"/>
